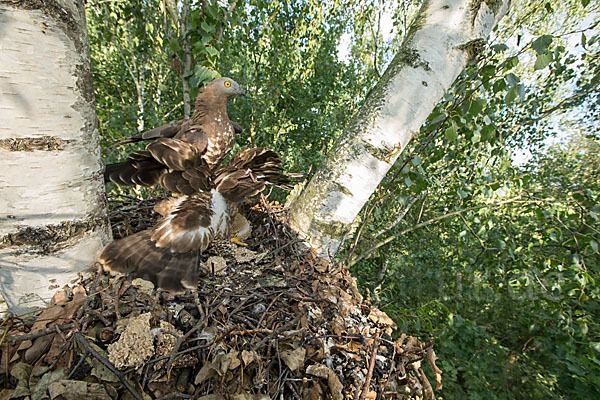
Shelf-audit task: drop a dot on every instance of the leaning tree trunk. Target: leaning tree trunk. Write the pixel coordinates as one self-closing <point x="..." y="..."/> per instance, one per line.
<point x="432" y="56"/>
<point x="52" y="206"/>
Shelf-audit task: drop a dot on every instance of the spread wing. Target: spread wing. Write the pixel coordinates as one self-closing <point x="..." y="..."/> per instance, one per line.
<point x="167" y="254"/>
<point x="207" y="137"/>
<point x="192" y="223"/>
<point x="175" y="164"/>
<point x="139" y="257"/>
<point x="169" y="130"/>
<point x="265" y="166"/>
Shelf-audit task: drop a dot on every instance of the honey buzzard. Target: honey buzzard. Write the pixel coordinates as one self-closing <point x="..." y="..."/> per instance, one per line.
<point x="204" y="138"/>
<point x="168" y="254"/>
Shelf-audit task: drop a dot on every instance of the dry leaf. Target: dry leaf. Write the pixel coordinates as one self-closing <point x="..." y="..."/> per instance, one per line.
<point x="225" y="362"/>
<point x="212" y="397"/>
<point x="335" y="386"/>
<point x="431" y="357"/>
<point x="38" y="392"/>
<point x="379" y="317"/>
<point x="249" y="396"/>
<point x="206" y="372"/>
<point x="248" y="356"/>
<point x="294" y="359"/>
<point x="352" y="347"/>
<point x="7" y="394"/>
<point x="322" y="265"/>
<point x="76" y="390"/>
<point x="243" y="254"/>
<point x="99" y="370"/>
<point x="322" y="371"/>
<point x="316" y="392"/>
<point x="21" y="371"/>
<point x="319" y="370"/>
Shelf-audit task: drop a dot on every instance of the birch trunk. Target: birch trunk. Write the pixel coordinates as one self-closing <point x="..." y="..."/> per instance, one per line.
<point x="52" y="206"/>
<point x="434" y="53"/>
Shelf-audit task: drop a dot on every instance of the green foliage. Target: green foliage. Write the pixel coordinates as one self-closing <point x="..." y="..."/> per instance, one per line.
<point x="497" y="260"/>
<point x="494" y="258"/>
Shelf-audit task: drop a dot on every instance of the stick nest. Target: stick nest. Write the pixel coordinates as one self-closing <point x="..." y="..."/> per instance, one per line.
<point x="267" y="321"/>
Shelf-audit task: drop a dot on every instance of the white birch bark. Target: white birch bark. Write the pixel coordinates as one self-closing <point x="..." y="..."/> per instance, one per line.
<point x="432" y="56"/>
<point x="52" y="205"/>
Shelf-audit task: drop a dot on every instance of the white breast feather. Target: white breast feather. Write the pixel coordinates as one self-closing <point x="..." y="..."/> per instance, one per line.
<point x="218" y="221"/>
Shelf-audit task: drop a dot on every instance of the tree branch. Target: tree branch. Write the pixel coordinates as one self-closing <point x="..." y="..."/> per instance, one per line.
<point x="430" y="221"/>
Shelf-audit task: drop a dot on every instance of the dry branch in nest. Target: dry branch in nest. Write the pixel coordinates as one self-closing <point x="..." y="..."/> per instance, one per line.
<point x="267" y="321"/>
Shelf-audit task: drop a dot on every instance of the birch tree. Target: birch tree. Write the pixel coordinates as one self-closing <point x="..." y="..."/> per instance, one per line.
<point x="444" y="35"/>
<point x="52" y="207"/>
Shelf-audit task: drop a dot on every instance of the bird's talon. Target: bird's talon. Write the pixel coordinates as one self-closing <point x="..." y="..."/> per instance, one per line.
<point x="237" y="241"/>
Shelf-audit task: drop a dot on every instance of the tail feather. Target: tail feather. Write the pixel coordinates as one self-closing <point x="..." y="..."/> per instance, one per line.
<point x="265" y="166"/>
<point x="138" y="256"/>
<point x="139" y="169"/>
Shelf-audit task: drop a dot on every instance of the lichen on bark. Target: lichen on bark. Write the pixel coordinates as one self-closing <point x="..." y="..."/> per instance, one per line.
<point x="44" y="143"/>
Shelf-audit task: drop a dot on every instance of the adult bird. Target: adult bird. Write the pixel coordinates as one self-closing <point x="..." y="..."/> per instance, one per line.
<point x="208" y="134"/>
<point x="168" y="254"/>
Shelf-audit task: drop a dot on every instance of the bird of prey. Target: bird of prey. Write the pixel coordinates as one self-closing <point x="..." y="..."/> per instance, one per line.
<point x="208" y="134"/>
<point x="168" y="254"/>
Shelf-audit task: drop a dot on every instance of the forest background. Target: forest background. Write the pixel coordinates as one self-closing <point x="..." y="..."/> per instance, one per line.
<point x="484" y="236"/>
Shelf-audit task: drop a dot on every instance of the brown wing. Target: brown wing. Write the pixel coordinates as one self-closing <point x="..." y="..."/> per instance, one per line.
<point x="163" y="131"/>
<point x="138" y="256"/>
<point x="164" y="162"/>
<point x="191" y="224"/>
<point x="177" y="154"/>
<point x="265" y="166"/>
<point x="140" y="168"/>
<point x="236" y="185"/>
<point x="168" y="131"/>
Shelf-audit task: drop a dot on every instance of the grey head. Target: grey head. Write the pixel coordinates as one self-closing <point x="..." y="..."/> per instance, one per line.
<point x="226" y="86"/>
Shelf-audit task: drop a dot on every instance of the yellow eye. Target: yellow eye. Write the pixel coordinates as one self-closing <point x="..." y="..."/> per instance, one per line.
<point x="227" y="83"/>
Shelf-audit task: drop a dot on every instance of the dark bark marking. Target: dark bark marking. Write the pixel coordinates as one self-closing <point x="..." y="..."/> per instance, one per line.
<point x="51" y="238"/>
<point x="44" y="143"/>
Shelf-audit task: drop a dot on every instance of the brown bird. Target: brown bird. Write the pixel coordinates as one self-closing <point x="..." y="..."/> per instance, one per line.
<point x="168" y="254"/>
<point x="206" y="137"/>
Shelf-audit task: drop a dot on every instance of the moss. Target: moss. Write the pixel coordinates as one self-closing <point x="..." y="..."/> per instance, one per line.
<point x="333" y="229"/>
<point x="473" y="48"/>
<point x="417" y="23"/>
<point x="382" y="154"/>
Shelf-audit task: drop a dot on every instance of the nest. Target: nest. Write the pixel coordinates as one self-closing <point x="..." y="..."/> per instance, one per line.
<point x="267" y="321"/>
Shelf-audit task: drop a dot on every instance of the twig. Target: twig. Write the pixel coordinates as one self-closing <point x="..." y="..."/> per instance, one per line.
<point x="278" y="249"/>
<point x="268" y="209"/>
<point x="76" y="367"/>
<point x="35" y="335"/>
<point x="176" y="395"/>
<point x="88" y="349"/>
<point x="366" y="253"/>
<point x="178" y="344"/>
<point x="277" y="332"/>
<point x="365" y="390"/>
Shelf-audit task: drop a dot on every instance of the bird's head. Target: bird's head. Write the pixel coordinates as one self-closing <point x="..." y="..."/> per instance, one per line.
<point x="226" y="86"/>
